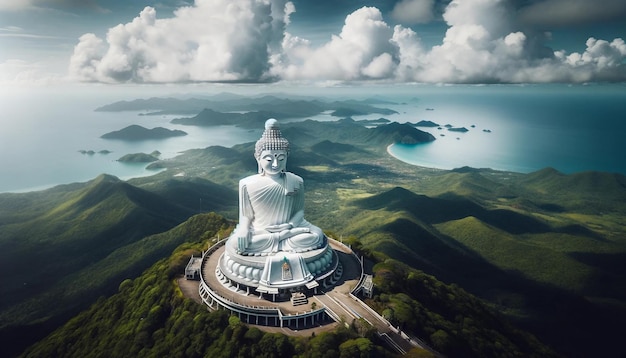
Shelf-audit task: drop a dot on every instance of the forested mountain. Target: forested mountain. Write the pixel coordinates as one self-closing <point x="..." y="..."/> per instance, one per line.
<point x="68" y="245"/>
<point x="463" y="258"/>
<point x="150" y="317"/>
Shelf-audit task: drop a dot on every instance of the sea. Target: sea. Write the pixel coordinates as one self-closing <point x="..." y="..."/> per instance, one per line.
<point x="47" y="134"/>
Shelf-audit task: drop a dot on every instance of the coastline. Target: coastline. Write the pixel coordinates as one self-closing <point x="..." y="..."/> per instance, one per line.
<point x="420" y="164"/>
<point x="449" y="168"/>
<point x="533" y="128"/>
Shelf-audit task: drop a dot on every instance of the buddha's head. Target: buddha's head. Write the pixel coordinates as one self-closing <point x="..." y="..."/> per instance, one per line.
<point x="271" y="150"/>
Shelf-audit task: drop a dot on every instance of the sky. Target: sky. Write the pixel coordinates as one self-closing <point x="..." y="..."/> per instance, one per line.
<point x="46" y="42"/>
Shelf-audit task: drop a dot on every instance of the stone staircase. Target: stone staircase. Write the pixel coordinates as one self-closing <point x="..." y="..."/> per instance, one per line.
<point x="299" y="298"/>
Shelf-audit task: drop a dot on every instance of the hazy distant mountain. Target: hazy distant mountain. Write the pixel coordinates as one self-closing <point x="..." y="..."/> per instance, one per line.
<point x="135" y="132"/>
<point x="238" y="110"/>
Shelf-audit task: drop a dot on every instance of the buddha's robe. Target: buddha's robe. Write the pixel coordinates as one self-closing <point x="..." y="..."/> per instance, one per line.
<point x="270" y="206"/>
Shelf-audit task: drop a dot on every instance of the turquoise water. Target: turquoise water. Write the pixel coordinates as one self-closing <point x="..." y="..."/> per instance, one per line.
<point x="572" y="129"/>
<point x="43" y="133"/>
<point x="569" y="128"/>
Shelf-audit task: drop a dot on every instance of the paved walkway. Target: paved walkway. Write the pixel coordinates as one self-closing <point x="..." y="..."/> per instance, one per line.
<point x="189" y="288"/>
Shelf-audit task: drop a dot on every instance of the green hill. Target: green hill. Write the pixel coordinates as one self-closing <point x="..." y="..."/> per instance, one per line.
<point x="137" y="158"/>
<point x="590" y="192"/>
<point x="47" y="250"/>
<point x="544" y="250"/>
<point x="330" y="148"/>
<point x="197" y="194"/>
<point x="452" y="321"/>
<point x="350" y="132"/>
<point x="399" y="133"/>
<point x="507" y="251"/>
<point x="149" y="317"/>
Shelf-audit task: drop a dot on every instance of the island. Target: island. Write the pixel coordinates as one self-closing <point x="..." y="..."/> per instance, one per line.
<point x="379" y="204"/>
<point x="426" y="124"/>
<point x="230" y="109"/>
<point x="458" y="129"/>
<point x="138" y="158"/>
<point x="136" y="133"/>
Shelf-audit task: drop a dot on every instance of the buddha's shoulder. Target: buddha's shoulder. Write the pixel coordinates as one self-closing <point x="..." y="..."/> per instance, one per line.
<point x="258" y="179"/>
<point x="294" y="177"/>
<point x="250" y="179"/>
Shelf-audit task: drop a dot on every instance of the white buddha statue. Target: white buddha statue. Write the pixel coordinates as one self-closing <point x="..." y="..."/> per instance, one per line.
<point x="271" y="204"/>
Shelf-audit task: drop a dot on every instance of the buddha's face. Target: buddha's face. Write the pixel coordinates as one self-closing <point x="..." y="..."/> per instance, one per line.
<point x="273" y="162"/>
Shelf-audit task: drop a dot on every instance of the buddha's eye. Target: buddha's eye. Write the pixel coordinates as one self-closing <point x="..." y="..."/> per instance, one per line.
<point x="281" y="157"/>
<point x="269" y="158"/>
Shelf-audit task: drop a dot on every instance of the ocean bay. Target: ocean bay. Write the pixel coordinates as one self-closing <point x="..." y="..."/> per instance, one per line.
<point x="524" y="129"/>
<point x="570" y="128"/>
<point x="43" y="136"/>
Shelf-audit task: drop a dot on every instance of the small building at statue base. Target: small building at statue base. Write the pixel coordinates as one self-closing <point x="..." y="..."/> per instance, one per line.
<point x="192" y="270"/>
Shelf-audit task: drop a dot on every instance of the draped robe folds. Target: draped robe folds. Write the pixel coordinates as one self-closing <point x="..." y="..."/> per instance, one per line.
<point x="268" y="203"/>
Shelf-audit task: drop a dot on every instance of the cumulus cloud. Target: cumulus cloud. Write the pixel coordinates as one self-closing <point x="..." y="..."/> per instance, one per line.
<point x="487" y="41"/>
<point x="413" y="11"/>
<point x="484" y="44"/>
<point x="602" y="60"/>
<point x="479" y="45"/>
<point x="411" y="54"/>
<point x="213" y="40"/>
<point x="363" y="50"/>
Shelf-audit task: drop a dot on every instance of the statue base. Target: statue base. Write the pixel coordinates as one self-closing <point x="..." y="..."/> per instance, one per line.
<point x="278" y="271"/>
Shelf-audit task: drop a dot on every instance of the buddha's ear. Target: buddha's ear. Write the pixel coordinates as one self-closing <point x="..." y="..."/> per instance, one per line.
<point x="260" y="169"/>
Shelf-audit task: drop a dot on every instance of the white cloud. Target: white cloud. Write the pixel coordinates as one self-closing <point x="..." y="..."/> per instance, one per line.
<point x="362" y="50"/>
<point x="18" y="32"/>
<point x="15" y="72"/>
<point x="410" y="53"/>
<point x="483" y="44"/>
<point x="11" y="29"/>
<point x="413" y="11"/>
<point x="246" y="40"/>
<point x="602" y="60"/>
<point x="381" y="66"/>
<point x="213" y="40"/>
<point x="71" y="5"/>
